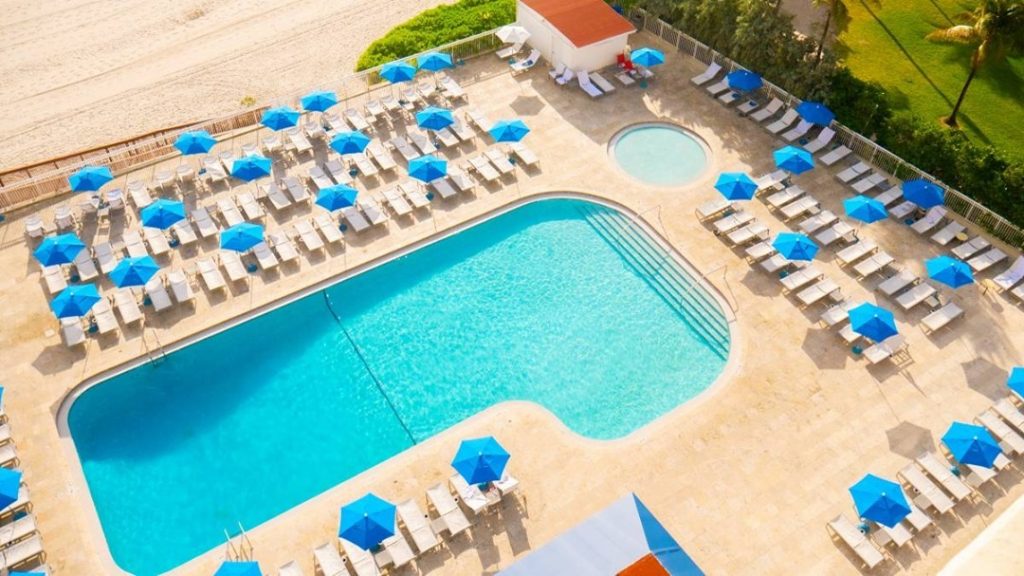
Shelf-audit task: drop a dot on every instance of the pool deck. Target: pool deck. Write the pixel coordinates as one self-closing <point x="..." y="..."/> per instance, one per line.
<point x="745" y="477"/>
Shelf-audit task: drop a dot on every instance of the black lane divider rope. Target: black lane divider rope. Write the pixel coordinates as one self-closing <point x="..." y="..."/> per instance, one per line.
<point x="366" y="366"/>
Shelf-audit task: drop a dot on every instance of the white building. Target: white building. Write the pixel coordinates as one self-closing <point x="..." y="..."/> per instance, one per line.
<point x="582" y="34"/>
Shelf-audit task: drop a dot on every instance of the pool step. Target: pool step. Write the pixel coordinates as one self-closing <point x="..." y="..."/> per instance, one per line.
<point x="678" y="286"/>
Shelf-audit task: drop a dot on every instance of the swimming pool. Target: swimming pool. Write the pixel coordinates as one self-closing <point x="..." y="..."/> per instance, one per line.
<point x="660" y="154"/>
<point x="563" y="302"/>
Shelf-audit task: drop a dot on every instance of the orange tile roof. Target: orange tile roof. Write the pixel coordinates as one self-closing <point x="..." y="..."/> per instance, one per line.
<point x="583" y="22"/>
<point x="646" y="566"/>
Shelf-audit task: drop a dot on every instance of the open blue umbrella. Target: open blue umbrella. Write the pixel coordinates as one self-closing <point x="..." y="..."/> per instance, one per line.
<point x="480" y="460"/>
<point x="134" y="271"/>
<point x="950" y="271"/>
<point x="75" y="300"/>
<point x="90" y="178"/>
<point x="434" y="118"/>
<point x="794" y="160"/>
<point x="396" y="72"/>
<point x="736" y="186"/>
<point x="319" y="101"/>
<point x="880" y="500"/>
<point x="428" y="168"/>
<point x="923" y="193"/>
<point x="20" y="573"/>
<point x="865" y="209"/>
<point x="241" y="237"/>
<point x="508" y="130"/>
<point x="873" y="322"/>
<point x="647" y="57"/>
<point x="367" y="521"/>
<point x="163" y="213"/>
<point x="795" y="246"/>
<point x="434" y="61"/>
<point x="251" y="168"/>
<point x="59" y="249"/>
<point x="280" y="118"/>
<point x="744" y="80"/>
<point x="195" y="142"/>
<point x="238" y="568"/>
<point x="350" y="142"/>
<point x="336" y="197"/>
<point x="815" y="113"/>
<point x="971" y="444"/>
<point x="1015" y="381"/>
<point x="10" y="485"/>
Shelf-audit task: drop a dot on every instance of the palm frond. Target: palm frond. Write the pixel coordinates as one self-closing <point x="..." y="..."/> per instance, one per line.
<point x="961" y="34"/>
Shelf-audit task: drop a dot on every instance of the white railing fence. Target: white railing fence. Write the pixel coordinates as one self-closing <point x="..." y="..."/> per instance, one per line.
<point x="27" y="185"/>
<point x="969" y="209"/>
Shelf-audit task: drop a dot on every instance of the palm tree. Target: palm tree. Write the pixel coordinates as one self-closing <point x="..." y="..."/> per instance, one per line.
<point x="836" y="12"/>
<point x="995" y="28"/>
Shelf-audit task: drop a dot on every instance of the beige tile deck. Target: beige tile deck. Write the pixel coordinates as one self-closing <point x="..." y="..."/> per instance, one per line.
<point x="746" y="482"/>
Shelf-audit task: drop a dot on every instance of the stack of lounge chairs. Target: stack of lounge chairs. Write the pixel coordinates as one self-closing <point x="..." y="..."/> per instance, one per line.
<point x="21" y="547"/>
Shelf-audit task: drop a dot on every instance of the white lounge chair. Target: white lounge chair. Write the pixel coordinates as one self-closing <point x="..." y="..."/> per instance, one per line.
<point x="127" y="306"/>
<point x="351" y="215"/>
<point x="371" y="208"/>
<point x="732" y="221"/>
<point x="462" y="180"/>
<point x="184" y="233"/>
<point x="805" y="205"/>
<point x="564" y="79"/>
<point x="942" y="317"/>
<point x="443" y="188"/>
<point x="932" y="219"/>
<point x="835" y="155"/>
<point x="133" y="244"/>
<point x="823" y="139"/>
<point x="381" y="156"/>
<point x="103" y="316"/>
<point x="500" y="161"/>
<point x="840" y="231"/>
<point x="897" y="283"/>
<point x="157" y="241"/>
<point x="204" y="223"/>
<point x="318" y="178"/>
<point x="451" y="89"/>
<point x="915" y="295"/>
<point x="825" y="288"/>
<point x="265" y="259"/>
<point x="290" y="569"/>
<point x="363" y="164"/>
<point x="360" y="560"/>
<point x="873" y="264"/>
<point x="295" y="189"/>
<point x="250" y="208"/>
<point x="509" y="51"/>
<point x="229" y="212"/>
<point x="17" y="530"/>
<point x="308" y="236"/>
<point x="801" y="278"/>
<point x="903" y="210"/>
<point x="747" y="107"/>
<point x="1012" y="275"/>
<point x="139" y="194"/>
<point x="783" y="123"/>
<point x="462" y="130"/>
<point x="928" y="494"/>
<point x="851" y="173"/>
<point x="759" y="251"/>
<point x="397" y="550"/>
<point x="210" y="274"/>
<point x="713" y="208"/>
<point x="986" y="260"/>
<point x="855" y="252"/>
<point x="298" y="140"/>
<point x="479" y="119"/>
<point x="587" y="86"/>
<point x="84" y="266"/>
<point x="889" y="196"/>
<point x="520" y="66"/>
<point x="72" y="332"/>
<point x="283" y="246"/>
<point x="418" y="526"/>
<point x="802" y="128"/>
<point x="484" y="168"/>
<point x="863" y="185"/>
<point x="708" y="75"/>
<point x="1009" y="412"/>
<point x="422" y="143"/>
<point x="401" y="144"/>
<point x="601" y="82"/>
<point x="397" y="202"/>
<point x="414" y="193"/>
<point x="181" y="287"/>
<point x="339" y="173"/>
<point x="328" y="227"/>
<point x="357" y="120"/>
<point x="1010" y="441"/>
<point x="718" y="88"/>
<point x="328" y="560"/>
<point x="557" y="71"/>
<point x="971" y="247"/>
<point x="940" y="471"/>
<point x="233" y="265"/>
<point x="948" y="233"/>
<point x="21" y="553"/>
<point x="450" y="518"/>
<point x="812" y="224"/>
<point x="885" y="349"/>
<point x="157" y="293"/>
<point x="858" y="542"/>
<point x="770" y="181"/>
<point x="768" y="111"/>
<point x="747" y="234"/>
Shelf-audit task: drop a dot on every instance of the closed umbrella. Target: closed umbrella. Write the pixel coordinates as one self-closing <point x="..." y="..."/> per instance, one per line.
<point x="134" y="271"/>
<point x="512" y="34"/>
<point x="480" y="460"/>
<point x="873" y="322"/>
<point x="367" y="521"/>
<point x="75" y="301"/>
<point x="880" y="500"/>
<point x="90" y="178"/>
<point x="971" y="444"/>
<point x="736" y="186"/>
<point x="59" y="249"/>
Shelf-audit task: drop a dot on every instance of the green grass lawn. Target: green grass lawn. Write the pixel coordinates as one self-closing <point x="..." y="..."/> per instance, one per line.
<point x="888" y="45"/>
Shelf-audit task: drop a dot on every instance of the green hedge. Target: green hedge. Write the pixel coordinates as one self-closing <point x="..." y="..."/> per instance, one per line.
<point x="438" y="26"/>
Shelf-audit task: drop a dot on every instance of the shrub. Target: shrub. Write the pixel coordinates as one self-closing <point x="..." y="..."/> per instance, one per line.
<point x="438" y="26"/>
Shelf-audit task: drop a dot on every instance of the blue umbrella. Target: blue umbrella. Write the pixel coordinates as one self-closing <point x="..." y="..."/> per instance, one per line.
<point x="195" y="142"/>
<point x="923" y="193"/>
<point x="795" y="246"/>
<point x="396" y="72"/>
<point x="280" y="118"/>
<point x="815" y="113"/>
<point x="241" y="237"/>
<point x="367" y="521"/>
<point x="319" y="101"/>
<point x="20" y="573"/>
<point x="90" y="178"/>
<point x="350" y="142"/>
<point x="251" y="168"/>
<point x="163" y="213"/>
<point x="1015" y="381"/>
<point x="10" y="485"/>
<point x="950" y="271"/>
<point x="744" y="80"/>
<point x="134" y="271"/>
<point x="865" y="209"/>
<point x="75" y="300"/>
<point x="428" y="168"/>
<point x="480" y="460"/>
<point x="509" y="130"/>
<point x="793" y="159"/>
<point x="647" y="57"/>
<point x="971" y="444"/>
<point x="880" y="500"/>
<point x="434" y="61"/>
<point x="336" y="197"/>
<point x="238" y="568"/>
<point x="873" y="322"/>
<point x="434" y="118"/>
<point x="736" y="186"/>
<point x="60" y="249"/>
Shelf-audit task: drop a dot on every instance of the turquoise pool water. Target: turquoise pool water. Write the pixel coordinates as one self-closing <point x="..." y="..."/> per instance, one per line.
<point x="532" y="305"/>
<point x="660" y="154"/>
